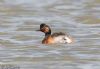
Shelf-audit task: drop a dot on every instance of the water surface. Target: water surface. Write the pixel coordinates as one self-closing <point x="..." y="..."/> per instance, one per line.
<point x="21" y="45"/>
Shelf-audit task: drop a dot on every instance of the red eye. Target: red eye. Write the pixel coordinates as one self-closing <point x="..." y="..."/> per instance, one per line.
<point x="42" y="29"/>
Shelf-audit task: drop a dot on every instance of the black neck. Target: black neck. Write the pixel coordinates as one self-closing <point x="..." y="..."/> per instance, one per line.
<point x="48" y="33"/>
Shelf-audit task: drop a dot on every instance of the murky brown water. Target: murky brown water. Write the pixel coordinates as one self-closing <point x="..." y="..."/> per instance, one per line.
<point x="21" y="45"/>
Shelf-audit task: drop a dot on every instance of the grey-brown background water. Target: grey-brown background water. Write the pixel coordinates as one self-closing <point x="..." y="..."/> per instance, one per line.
<point x="21" y="45"/>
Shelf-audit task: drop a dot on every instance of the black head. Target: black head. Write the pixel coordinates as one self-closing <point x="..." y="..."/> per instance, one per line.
<point x="42" y="25"/>
<point x="45" y="28"/>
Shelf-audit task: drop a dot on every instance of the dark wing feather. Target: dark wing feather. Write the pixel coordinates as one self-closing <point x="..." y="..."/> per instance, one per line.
<point x="57" y="34"/>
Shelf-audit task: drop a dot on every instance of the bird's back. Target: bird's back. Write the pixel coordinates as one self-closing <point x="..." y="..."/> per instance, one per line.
<point x="58" y="34"/>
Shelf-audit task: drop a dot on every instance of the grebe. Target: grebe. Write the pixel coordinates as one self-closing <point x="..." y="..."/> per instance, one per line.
<point x="55" y="37"/>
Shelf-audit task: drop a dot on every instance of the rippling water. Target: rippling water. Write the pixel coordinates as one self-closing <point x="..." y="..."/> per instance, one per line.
<point x="20" y="44"/>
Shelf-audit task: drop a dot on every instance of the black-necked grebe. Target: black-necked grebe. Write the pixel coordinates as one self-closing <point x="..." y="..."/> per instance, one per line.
<point x="55" y="37"/>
